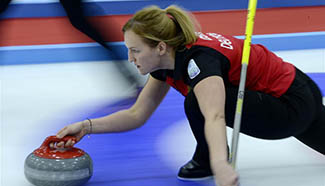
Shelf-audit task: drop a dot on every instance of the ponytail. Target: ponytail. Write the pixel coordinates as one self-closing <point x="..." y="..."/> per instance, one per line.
<point x="183" y="20"/>
<point x="174" y="26"/>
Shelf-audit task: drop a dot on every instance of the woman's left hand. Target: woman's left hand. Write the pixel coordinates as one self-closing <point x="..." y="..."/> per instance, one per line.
<point x="225" y="175"/>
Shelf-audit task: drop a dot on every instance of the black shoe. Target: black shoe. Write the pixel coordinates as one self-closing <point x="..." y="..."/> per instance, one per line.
<point x="192" y="171"/>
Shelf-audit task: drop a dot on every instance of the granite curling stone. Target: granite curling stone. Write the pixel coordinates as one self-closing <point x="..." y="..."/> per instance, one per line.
<point x="48" y="166"/>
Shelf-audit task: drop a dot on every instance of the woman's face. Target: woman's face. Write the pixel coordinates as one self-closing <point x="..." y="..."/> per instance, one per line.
<point x="144" y="57"/>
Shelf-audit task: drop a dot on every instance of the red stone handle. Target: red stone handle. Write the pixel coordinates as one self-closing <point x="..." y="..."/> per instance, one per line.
<point x="44" y="151"/>
<point x="52" y="139"/>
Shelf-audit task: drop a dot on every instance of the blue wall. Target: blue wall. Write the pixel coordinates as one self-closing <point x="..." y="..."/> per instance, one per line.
<point x="129" y="7"/>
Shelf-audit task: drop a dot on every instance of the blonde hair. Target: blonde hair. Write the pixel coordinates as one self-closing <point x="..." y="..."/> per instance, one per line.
<point x="172" y="25"/>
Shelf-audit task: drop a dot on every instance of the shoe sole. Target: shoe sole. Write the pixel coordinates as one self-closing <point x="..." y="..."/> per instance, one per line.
<point x="195" y="179"/>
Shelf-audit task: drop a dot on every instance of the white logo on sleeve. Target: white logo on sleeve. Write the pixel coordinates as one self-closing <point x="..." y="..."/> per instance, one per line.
<point x="192" y="69"/>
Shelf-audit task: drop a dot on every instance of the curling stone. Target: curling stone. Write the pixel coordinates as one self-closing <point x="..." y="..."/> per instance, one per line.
<point x="48" y="166"/>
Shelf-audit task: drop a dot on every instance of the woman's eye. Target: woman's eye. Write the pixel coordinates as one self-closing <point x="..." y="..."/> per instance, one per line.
<point x="135" y="51"/>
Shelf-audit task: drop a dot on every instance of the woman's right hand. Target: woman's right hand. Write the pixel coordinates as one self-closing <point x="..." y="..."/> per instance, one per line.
<point x="225" y="174"/>
<point x="78" y="130"/>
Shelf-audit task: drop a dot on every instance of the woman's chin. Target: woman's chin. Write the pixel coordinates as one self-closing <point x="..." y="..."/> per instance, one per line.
<point x="142" y="72"/>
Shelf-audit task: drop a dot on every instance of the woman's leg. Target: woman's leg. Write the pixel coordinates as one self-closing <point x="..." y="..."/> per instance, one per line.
<point x="77" y="18"/>
<point x="314" y="136"/>
<point x="196" y="121"/>
<point x="264" y="116"/>
<point x="299" y="112"/>
<point x="4" y="5"/>
<point x="199" y="166"/>
<point x="75" y="13"/>
<point x="268" y="117"/>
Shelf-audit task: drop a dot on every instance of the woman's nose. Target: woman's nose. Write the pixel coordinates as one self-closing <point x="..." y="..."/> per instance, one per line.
<point x="131" y="59"/>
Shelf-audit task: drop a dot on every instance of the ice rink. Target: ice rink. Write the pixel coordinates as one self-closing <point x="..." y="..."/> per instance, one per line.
<point x="38" y="99"/>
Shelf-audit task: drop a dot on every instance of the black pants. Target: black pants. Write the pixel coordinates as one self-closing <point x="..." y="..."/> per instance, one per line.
<point x="299" y="113"/>
<point x="75" y="12"/>
<point x="3" y="5"/>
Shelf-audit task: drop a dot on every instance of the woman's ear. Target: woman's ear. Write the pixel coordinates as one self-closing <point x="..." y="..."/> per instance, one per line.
<point x="162" y="48"/>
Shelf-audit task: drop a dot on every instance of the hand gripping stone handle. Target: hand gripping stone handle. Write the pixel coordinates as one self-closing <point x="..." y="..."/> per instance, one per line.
<point x="45" y="151"/>
<point x="54" y="139"/>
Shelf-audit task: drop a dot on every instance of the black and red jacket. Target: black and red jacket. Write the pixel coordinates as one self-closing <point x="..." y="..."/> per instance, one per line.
<point x="215" y="54"/>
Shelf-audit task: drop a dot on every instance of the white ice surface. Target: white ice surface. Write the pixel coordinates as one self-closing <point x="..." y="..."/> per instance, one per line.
<point x="37" y="100"/>
<point x="33" y="97"/>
